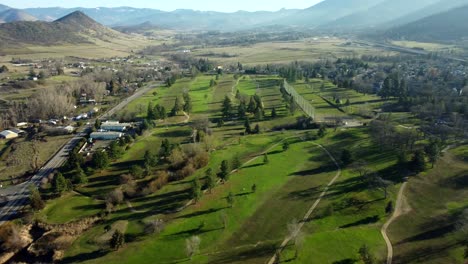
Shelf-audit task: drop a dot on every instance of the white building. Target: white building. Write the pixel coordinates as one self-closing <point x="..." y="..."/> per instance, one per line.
<point x="8" y="134"/>
<point x="106" y="135"/>
<point x="115" y="126"/>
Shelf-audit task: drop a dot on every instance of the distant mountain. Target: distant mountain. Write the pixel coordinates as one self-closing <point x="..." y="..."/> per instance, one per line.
<point x="4" y="7"/>
<point x="103" y="15"/>
<point x="13" y="15"/>
<point x="73" y="28"/>
<point x="439" y="7"/>
<point x="444" y="27"/>
<point x="379" y="14"/>
<point x="327" y="11"/>
<point x="178" y="19"/>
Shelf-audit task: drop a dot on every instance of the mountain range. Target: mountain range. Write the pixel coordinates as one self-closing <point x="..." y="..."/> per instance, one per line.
<point x="72" y="28"/>
<point x="442" y="27"/>
<point x="390" y="18"/>
<point x="328" y="15"/>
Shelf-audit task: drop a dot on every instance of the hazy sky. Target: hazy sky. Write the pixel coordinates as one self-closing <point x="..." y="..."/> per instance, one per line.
<point x="169" y="5"/>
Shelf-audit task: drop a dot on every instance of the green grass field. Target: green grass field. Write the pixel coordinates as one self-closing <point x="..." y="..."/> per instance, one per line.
<point x="348" y="217"/>
<point x="71" y="206"/>
<point x="441" y="194"/>
<point x="286" y="52"/>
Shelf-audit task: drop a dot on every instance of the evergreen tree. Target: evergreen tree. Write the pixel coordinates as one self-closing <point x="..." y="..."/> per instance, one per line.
<point x="117" y="241"/>
<point x="389" y="208"/>
<point x="227" y="107"/>
<point x="285" y="145"/>
<point x="80" y="177"/>
<point x="59" y="184"/>
<point x="322" y="131"/>
<point x="254" y="188"/>
<point x="259" y="114"/>
<point x="248" y="128"/>
<point x="210" y="179"/>
<point x="166" y="149"/>
<point x="241" y="111"/>
<point x="177" y="107"/>
<point x="236" y="163"/>
<point x="100" y="160"/>
<point x="196" y="191"/>
<point x="273" y="113"/>
<point x="150" y="159"/>
<point x="256" y="129"/>
<point x="252" y="105"/>
<point x="150" y="115"/>
<point x="35" y="199"/>
<point x="115" y="151"/>
<point x="225" y="171"/>
<point x="433" y="151"/>
<point x="365" y="255"/>
<point x="188" y="103"/>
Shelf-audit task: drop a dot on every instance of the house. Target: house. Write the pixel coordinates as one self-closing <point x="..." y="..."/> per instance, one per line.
<point x="105" y="135"/>
<point x="8" y="134"/>
<point x="22" y="124"/>
<point x="17" y="131"/>
<point x="115" y="126"/>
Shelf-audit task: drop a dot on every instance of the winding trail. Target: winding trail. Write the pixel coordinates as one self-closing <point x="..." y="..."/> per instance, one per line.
<point x="311" y="209"/>
<point x="397" y="212"/>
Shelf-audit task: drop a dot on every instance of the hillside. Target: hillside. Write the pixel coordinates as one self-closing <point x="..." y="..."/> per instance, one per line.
<point x="376" y="15"/>
<point x="13" y="15"/>
<point x="327" y="11"/>
<point x="73" y="28"/>
<point x="444" y="27"/>
<point x="436" y="8"/>
<point x="3" y="7"/>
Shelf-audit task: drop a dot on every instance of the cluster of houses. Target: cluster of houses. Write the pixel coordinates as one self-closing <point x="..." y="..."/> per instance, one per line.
<point x="110" y="130"/>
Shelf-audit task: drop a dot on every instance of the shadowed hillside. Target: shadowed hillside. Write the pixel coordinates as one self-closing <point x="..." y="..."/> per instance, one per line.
<point x="73" y="28"/>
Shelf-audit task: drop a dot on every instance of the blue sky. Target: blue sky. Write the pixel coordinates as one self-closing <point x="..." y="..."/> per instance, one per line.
<point x="169" y="5"/>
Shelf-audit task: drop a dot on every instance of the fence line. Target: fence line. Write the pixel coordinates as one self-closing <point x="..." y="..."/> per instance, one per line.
<point x="308" y="109"/>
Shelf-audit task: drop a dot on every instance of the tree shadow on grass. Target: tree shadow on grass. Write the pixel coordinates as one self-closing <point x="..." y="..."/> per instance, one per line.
<point x="85" y="256"/>
<point x="193" y="231"/>
<point x="252" y="166"/>
<point x="250" y="253"/>
<point x="456" y="182"/>
<point x="365" y="221"/>
<point x="422" y="254"/>
<point x="307" y="194"/>
<point x="199" y="213"/>
<point x="310" y="172"/>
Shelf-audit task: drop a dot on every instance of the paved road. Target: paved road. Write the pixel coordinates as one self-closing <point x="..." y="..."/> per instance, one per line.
<point x="18" y="196"/>
<point x="125" y="102"/>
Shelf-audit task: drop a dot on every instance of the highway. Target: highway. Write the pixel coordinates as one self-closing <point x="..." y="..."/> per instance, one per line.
<point x="18" y="196"/>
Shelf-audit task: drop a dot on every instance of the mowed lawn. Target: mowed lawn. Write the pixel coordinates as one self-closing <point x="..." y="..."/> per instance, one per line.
<point x="269" y="178"/>
<point x="71" y="206"/>
<point x="289" y="184"/>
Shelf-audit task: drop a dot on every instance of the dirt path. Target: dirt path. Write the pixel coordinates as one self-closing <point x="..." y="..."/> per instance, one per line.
<point x="399" y="210"/>
<point x="312" y="208"/>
